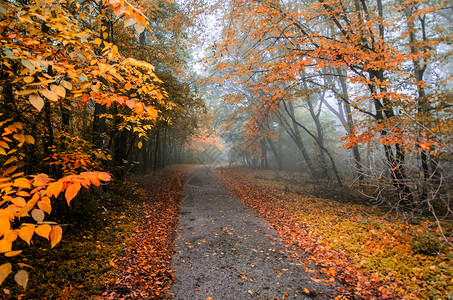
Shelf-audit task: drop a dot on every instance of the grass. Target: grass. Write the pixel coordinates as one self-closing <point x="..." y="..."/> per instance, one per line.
<point x="411" y="259"/>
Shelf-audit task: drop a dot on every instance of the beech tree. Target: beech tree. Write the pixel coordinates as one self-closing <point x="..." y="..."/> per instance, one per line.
<point x="380" y="49"/>
<point x="54" y="67"/>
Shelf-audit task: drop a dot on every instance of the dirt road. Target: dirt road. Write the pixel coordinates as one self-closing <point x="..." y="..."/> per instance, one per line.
<point x="224" y="251"/>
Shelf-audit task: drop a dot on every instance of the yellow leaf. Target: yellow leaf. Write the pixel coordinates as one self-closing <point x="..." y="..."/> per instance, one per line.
<point x="36" y="101"/>
<point x="67" y="85"/>
<point x="127" y="86"/>
<point x="71" y="191"/>
<point x="95" y="88"/>
<point x="114" y="50"/>
<point x="5" y="270"/>
<point x="26" y="232"/>
<point x="21" y="278"/>
<point x="26" y="92"/>
<point x="37" y="215"/>
<point x="5" y="245"/>
<point x="52" y="96"/>
<point x="140" y="145"/>
<point x="105" y="35"/>
<point x="4" y="145"/>
<point x="55" y="235"/>
<point x="151" y="111"/>
<point x="10" y="160"/>
<point x="250" y="292"/>
<point x="13" y="253"/>
<point x="28" y="79"/>
<point x="59" y="90"/>
<point x="43" y="230"/>
<point x="29" y="139"/>
<point x="2" y="151"/>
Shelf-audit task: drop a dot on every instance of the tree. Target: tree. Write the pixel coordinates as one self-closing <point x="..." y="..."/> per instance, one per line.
<point x="52" y="68"/>
<point x="284" y="45"/>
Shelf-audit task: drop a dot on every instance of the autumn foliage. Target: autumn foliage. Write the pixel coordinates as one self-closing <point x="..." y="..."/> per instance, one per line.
<point x="379" y="66"/>
<point x="63" y="81"/>
<point x="375" y="255"/>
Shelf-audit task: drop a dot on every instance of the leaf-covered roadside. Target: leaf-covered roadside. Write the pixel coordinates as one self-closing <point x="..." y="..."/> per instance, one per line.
<point x="145" y="270"/>
<point x="376" y="256"/>
<point x="102" y="245"/>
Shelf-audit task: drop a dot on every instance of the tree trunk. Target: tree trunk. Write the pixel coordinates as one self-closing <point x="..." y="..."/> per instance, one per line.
<point x="156" y="152"/>
<point x="264" y="162"/>
<point x="276" y="155"/>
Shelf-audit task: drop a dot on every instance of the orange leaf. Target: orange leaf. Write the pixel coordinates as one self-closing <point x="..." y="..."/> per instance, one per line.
<point x="52" y="96"/>
<point x="5" y="225"/>
<point x="13" y="253"/>
<point x="11" y="235"/>
<point x="26" y="232"/>
<point x="71" y="191"/>
<point x="5" y="245"/>
<point x="139" y="108"/>
<point x="22" y="183"/>
<point x="10" y="170"/>
<point x="94" y="178"/>
<point x="104" y="176"/>
<point x="54" y="189"/>
<point x="40" y="179"/>
<point x="43" y="230"/>
<point x="29" y="206"/>
<point x="45" y="205"/>
<point x="55" y="235"/>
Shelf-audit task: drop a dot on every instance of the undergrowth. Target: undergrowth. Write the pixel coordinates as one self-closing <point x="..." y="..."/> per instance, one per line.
<point x="94" y="242"/>
<point x="410" y="259"/>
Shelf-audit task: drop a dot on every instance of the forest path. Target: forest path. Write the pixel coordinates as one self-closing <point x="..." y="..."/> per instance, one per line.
<point x="224" y="251"/>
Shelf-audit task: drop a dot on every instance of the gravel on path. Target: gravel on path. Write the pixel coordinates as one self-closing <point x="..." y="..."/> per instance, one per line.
<point x="224" y="251"/>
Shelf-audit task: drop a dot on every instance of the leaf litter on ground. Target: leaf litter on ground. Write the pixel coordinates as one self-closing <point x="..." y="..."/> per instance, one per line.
<point x="102" y="253"/>
<point x="374" y="255"/>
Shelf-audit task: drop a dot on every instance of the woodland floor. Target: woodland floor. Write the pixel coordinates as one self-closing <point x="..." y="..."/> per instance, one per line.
<point x="235" y="233"/>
